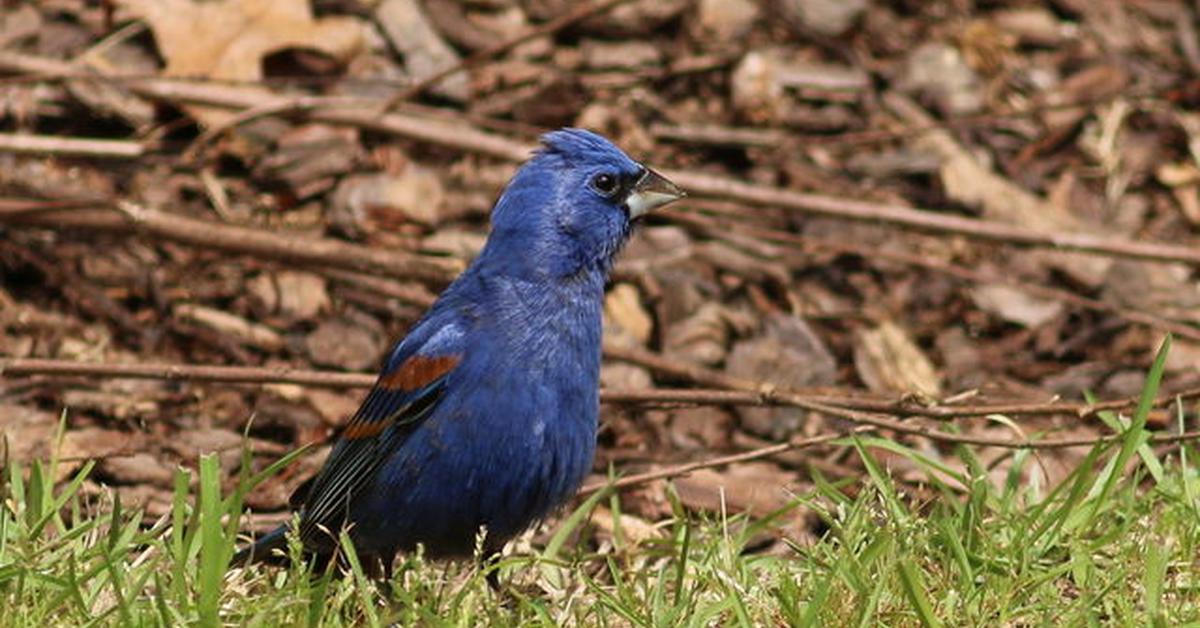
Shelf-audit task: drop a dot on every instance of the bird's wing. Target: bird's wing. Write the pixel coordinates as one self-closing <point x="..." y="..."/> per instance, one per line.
<point x="409" y="387"/>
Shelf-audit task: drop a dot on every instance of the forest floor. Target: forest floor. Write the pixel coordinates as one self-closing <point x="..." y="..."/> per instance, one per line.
<point x="882" y="366"/>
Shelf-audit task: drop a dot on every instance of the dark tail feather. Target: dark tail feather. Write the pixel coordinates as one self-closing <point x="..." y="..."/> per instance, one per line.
<point x="264" y="549"/>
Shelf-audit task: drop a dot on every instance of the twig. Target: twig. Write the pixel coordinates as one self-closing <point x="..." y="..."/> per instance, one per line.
<point x="773" y="450"/>
<point x="17" y="207"/>
<point x="301" y="249"/>
<point x="723" y="229"/>
<point x="707" y="377"/>
<point x="58" y="145"/>
<point x="24" y="367"/>
<point x="233" y="238"/>
<point x="720" y="461"/>
<point x="926" y="220"/>
<point x="280" y="106"/>
<point x="413" y="294"/>
<point x="912" y="429"/>
<point x="719" y="135"/>
<point x="187" y="372"/>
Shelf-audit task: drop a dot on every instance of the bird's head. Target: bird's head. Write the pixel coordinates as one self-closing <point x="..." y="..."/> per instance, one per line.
<point x="570" y="208"/>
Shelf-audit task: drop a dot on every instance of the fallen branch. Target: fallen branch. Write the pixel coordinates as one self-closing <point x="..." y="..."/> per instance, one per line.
<point x="719" y="461"/>
<point x="723" y="229"/>
<point x="903" y="407"/>
<point x="56" y="145"/>
<point x="774" y="450"/>
<point x="124" y="216"/>
<point x="761" y="396"/>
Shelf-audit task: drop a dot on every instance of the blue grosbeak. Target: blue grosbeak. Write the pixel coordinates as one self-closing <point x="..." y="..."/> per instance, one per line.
<point x="485" y="415"/>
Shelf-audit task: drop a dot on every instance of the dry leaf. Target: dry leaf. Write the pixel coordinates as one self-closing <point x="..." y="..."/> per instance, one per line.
<point x="974" y="184"/>
<point x="888" y="360"/>
<point x="624" y="314"/>
<point x="789" y="355"/>
<point x="1165" y="289"/>
<point x="425" y="52"/>
<point x="138" y="468"/>
<point x="227" y="39"/>
<point x="26" y="432"/>
<point x="700" y="338"/>
<point x="231" y="325"/>
<point x="352" y="341"/>
<point x="1014" y="305"/>
<point x="294" y="295"/>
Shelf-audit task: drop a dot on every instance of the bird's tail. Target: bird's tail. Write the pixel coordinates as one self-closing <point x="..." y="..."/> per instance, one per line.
<point x="271" y="548"/>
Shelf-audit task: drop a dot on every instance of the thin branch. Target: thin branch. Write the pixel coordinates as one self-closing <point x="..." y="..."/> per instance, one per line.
<point x="186" y="372"/>
<point x="24" y="367"/>
<point x="279" y="106"/>
<point x="773" y="450"/>
<point x="24" y="143"/>
<point x="701" y="184"/>
<point x="722" y="229"/>
<point x="125" y="216"/>
<point x="696" y="374"/>
<point x="868" y="423"/>
<point x="720" y="461"/>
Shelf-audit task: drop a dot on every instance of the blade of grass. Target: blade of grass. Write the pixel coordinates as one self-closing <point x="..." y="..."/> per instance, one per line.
<point x="212" y="541"/>
<point x="1153" y="581"/>
<point x="1134" y="435"/>
<point x="363" y="586"/>
<point x="914" y="590"/>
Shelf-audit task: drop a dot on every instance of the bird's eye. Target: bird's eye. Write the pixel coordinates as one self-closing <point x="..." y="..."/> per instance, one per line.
<point x="605" y="183"/>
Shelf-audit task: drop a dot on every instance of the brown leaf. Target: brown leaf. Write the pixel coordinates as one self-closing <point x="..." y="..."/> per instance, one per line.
<point x="139" y="468"/>
<point x="191" y="444"/>
<point x="703" y="427"/>
<point x="724" y="20"/>
<point x="700" y="338"/>
<point x="351" y="342"/>
<point x="228" y="39"/>
<point x="413" y="194"/>
<point x="756" y="488"/>
<point x="425" y="52"/>
<point x="1014" y="305"/>
<point x="26" y="433"/>
<point x="789" y="354"/>
<point x="972" y="183"/>
<point x="235" y="327"/>
<point x="625" y="316"/>
<point x="294" y="295"/>
<point x="888" y="360"/>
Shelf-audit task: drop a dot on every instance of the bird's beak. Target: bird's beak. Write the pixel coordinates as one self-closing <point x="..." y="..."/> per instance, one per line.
<point x="652" y="190"/>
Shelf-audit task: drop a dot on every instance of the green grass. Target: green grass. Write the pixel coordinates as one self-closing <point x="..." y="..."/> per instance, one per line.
<point x="1116" y="543"/>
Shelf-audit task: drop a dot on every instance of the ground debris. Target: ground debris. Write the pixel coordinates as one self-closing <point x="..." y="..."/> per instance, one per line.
<point x="298" y="192"/>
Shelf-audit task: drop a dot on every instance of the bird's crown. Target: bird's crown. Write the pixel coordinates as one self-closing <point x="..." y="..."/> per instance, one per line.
<point x="574" y="144"/>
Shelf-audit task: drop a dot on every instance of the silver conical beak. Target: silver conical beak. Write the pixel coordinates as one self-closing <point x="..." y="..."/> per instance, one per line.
<point x="651" y="191"/>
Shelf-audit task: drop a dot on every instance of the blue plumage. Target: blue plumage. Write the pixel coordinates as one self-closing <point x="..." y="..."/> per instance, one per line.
<point x="485" y="414"/>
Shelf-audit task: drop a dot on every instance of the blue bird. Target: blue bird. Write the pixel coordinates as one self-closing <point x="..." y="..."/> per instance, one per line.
<point x="484" y="417"/>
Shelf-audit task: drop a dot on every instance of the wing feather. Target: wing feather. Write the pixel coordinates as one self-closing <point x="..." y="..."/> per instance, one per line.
<point x="403" y="396"/>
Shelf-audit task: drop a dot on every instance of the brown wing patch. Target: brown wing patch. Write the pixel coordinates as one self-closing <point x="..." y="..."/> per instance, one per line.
<point x="418" y="371"/>
<point x="364" y="429"/>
